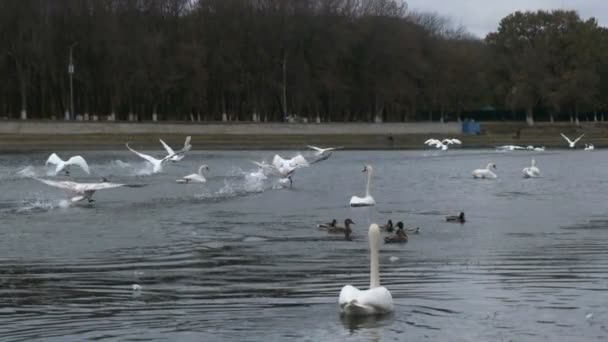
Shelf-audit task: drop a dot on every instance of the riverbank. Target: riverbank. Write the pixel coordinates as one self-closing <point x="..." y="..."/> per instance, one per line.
<point x="18" y="136"/>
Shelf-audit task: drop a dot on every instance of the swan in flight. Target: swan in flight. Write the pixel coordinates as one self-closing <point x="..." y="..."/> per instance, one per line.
<point x="195" y="177"/>
<point x="65" y="165"/>
<point x="505" y="148"/>
<point x="177" y="156"/>
<point x="442" y="144"/>
<point x="322" y="153"/>
<point x="589" y="147"/>
<point x="368" y="200"/>
<point x="532" y="148"/>
<point x="377" y="300"/>
<point x="571" y="143"/>
<point x="284" y="168"/>
<point x="156" y="163"/>
<point x="485" y="173"/>
<point x="81" y="191"/>
<point x="532" y="171"/>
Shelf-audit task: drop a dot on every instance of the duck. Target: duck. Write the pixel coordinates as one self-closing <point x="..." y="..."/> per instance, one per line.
<point x="485" y="173"/>
<point x="388" y="226"/>
<point x="375" y="301"/>
<point x="456" y="218"/>
<point x="328" y="224"/>
<point x="399" y="237"/>
<point x="368" y="200"/>
<point x="532" y="171"/>
<point x="341" y="229"/>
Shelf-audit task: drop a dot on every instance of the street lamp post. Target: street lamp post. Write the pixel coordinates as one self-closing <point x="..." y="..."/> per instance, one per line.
<point x="71" y="73"/>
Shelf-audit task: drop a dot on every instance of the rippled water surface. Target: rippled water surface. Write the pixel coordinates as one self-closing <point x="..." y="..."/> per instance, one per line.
<point x="240" y="259"/>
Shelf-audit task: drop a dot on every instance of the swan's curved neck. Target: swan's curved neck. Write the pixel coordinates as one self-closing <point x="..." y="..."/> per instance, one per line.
<point x="374" y="271"/>
<point x="369" y="180"/>
<point x="489" y="166"/>
<point x="200" y="170"/>
<point x="533" y="163"/>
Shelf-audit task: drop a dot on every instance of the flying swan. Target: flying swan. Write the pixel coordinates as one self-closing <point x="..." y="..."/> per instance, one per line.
<point x="377" y="300"/>
<point x="532" y="171"/>
<point x="368" y="200"/>
<point x="442" y="144"/>
<point x="322" y="153"/>
<point x="485" y="173"/>
<point x="81" y="191"/>
<point x="195" y="177"/>
<point x="284" y="168"/>
<point x="571" y="143"/>
<point x="177" y="156"/>
<point x="61" y="164"/>
<point x="156" y="163"/>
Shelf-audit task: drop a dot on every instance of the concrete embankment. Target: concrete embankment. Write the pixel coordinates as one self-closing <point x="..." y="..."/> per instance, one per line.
<point x="57" y="135"/>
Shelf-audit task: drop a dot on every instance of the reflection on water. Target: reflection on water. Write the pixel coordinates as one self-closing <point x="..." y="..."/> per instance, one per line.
<point x="236" y="259"/>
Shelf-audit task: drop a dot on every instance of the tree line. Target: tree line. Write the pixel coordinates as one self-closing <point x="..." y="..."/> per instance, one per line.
<point x="327" y="60"/>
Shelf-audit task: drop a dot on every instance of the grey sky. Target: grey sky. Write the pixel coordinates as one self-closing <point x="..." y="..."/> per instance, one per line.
<point x="483" y="16"/>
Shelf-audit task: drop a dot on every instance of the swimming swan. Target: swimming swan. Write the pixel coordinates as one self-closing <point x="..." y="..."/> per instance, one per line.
<point x="377" y="300"/>
<point x="589" y="147"/>
<point x="156" y="163"/>
<point x="485" y="173"/>
<point x="61" y="164"/>
<point x="81" y="191"/>
<point x="571" y="143"/>
<point x="532" y="171"/>
<point x="195" y="177"/>
<point x="368" y="200"/>
<point x="174" y="156"/>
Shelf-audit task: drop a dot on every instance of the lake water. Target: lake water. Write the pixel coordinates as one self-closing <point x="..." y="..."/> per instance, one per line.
<point x="239" y="259"/>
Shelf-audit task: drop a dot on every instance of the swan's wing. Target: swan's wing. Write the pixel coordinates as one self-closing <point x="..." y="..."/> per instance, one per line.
<point x="456" y="141"/>
<point x="187" y="145"/>
<point x="378" y="298"/>
<point x="298" y="161"/>
<point x="78" y="160"/>
<point x="431" y="142"/>
<point x="147" y="157"/>
<point x="167" y="147"/>
<point x="98" y="186"/>
<point x="579" y="138"/>
<point x="347" y="294"/>
<point x="565" y="137"/>
<point x="447" y="141"/>
<point x="318" y="149"/>
<point x="53" y="159"/>
<point x="277" y="161"/>
<point x="64" y="185"/>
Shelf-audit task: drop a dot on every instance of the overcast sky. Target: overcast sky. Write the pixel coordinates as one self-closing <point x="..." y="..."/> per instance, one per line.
<point x="483" y="16"/>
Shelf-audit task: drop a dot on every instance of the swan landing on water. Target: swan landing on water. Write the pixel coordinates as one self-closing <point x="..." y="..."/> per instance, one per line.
<point x="368" y="200"/>
<point x="82" y="191"/>
<point x="571" y="143"/>
<point x="532" y="171"/>
<point x="485" y="173"/>
<point x="173" y="156"/>
<point x="377" y="300"/>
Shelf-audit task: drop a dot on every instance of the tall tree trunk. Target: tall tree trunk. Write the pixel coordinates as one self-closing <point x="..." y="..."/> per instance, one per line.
<point x="529" y="116"/>
<point x="284" y="86"/>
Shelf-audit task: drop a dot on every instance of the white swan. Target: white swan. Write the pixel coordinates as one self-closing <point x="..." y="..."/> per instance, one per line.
<point x="532" y="171"/>
<point x="177" y="156"/>
<point x="485" y="173"/>
<point x="195" y="177"/>
<point x="61" y="164"/>
<point x="571" y="143"/>
<point x="377" y="300"/>
<point x="81" y="191"/>
<point x="157" y="164"/>
<point x="323" y="153"/>
<point x="589" y="147"/>
<point x="442" y="144"/>
<point x="509" y="148"/>
<point x="368" y="200"/>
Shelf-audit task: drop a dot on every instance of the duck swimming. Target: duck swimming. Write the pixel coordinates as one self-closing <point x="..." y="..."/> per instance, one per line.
<point x="388" y="226"/>
<point x="341" y="229"/>
<point x="328" y="225"/>
<point x="399" y="237"/>
<point x="456" y="218"/>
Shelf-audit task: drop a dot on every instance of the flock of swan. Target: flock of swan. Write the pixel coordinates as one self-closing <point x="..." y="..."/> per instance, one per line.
<point x="352" y="301"/>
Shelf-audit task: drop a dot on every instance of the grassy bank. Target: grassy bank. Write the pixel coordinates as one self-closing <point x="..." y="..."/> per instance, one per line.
<point x="349" y="136"/>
